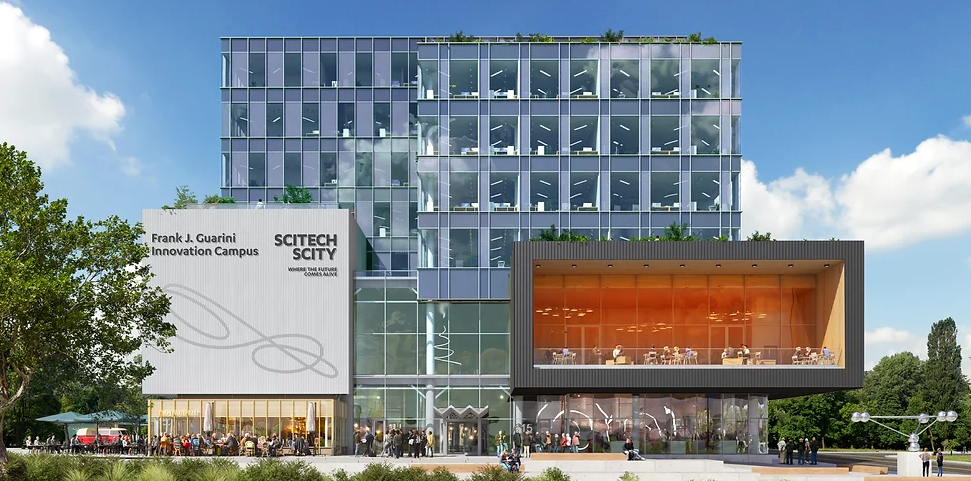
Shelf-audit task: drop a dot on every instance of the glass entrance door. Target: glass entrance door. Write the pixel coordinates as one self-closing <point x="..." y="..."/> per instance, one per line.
<point x="462" y="437"/>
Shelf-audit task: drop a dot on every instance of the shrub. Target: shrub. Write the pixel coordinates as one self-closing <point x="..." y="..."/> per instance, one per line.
<point x="375" y="472"/>
<point x="340" y="475"/>
<point x="441" y="473"/>
<point x="629" y="476"/>
<point x="273" y="470"/>
<point x="553" y="474"/>
<point x="77" y="474"/>
<point x="219" y="469"/>
<point x="15" y="469"/>
<point x="44" y="467"/>
<point x="494" y="473"/>
<point x="155" y="471"/>
<point x="184" y="468"/>
<point x="409" y="473"/>
<point x="117" y="471"/>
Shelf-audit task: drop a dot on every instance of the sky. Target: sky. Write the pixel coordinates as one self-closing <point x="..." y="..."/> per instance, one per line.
<point x="856" y="122"/>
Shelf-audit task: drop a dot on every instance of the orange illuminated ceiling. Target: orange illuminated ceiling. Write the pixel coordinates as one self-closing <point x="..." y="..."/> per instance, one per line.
<point x="683" y="266"/>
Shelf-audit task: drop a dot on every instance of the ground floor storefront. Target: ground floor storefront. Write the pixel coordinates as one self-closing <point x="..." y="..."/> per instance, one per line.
<point x="323" y="420"/>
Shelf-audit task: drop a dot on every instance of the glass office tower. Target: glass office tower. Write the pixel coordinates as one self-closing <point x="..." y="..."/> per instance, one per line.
<point x="451" y="152"/>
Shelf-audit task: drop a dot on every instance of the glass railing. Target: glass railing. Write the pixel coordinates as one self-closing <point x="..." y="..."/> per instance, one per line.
<point x="266" y="205"/>
<point x="663" y="357"/>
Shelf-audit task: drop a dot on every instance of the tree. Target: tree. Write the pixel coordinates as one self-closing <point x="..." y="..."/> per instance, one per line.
<point x="611" y="36"/>
<point x="756" y="237"/>
<point x="217" y="199"/>
<point x="295" y="194"/>
<point x="892" y="388"/>
<point x="551" y="235"/>
<point x="183" y="197"/>
<point x="944" y="384"/>
<point x="675" y="232"/>
<point x="76" y="302"/>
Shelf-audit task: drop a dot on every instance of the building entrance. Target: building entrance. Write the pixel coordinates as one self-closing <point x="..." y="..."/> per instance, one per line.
<point x="463" y="430"/>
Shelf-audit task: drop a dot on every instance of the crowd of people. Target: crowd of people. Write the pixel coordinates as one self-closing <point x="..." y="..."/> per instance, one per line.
<point x="805" y="447"/>
<point x="412" y="443"/>
<point x="229" y="445"/>
<point x="127" y="445"/>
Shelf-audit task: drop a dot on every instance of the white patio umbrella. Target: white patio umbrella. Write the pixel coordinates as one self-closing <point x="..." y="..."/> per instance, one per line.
<point x="207" y="418"/>
<point x="311" y="417"/>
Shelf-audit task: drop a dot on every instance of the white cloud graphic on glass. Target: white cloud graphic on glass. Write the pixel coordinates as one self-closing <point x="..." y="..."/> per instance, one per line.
<point x="213" y="326"/>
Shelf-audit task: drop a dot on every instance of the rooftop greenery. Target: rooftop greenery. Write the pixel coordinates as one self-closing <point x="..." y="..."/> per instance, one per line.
<point x="608" y="36"/>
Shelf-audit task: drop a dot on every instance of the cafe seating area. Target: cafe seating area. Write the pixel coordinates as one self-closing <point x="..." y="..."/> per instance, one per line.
<point x="686" y="356"/>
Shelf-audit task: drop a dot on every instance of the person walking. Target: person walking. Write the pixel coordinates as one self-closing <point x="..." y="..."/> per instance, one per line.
<point x="940" y="462"/>
<point x="431" y="444"/>
<point x="789" y="448"/>
<point x="527" y="443"/>
<point x="813" y="448"/>
<point x="801" y="450"/>
<point x="517" y="441"/>
<point x="782" y="450"/>
<point x="357" y="441"/>
<point x="501" y="445"/>
<point x="925" y="461"/>
<point x="576" y="442"/>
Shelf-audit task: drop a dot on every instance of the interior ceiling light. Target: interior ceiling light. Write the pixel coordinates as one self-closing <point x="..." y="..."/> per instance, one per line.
<point x="545" y="128"/>
<point x="610" y="265"/>
<point x="622" y="71"/>
<point x="825" y="265"/>
<point x="682" y="265"/>
<point x="574" y="265"/>
<point x="718" y="265"/>
<point x="755" y="265"/>
<point x="790" y="265"/>
<point x="624" y="127"/>
<point x="647" y="265"/>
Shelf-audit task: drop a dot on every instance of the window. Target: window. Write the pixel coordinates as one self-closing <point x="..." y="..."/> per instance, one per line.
<point x="664" y="135"/>
<point x="381" y="219"/>
<point x="624" y="135"/>
<point x="345" y="119"/>
<point x="428" y="73"/>
<point x="399" y="69"/>
<point x="736" y="80"/>
<point x="504" y="191"/>
<point x="624" y="79"/>
<point x="382" y="69"/>
<point x="291" y="169"/>
<point x="664" y="78"/>
<point x="274" y="70"/>
<point x="664" y="190"/>
<point x="623" y="191"/>
<point x="364" y="169"/>
<point x="464" y="78"/>
<point x="428" y="191"/>
<point x="310" y="176"/>
<point x="544" y="79"/>
<point x="328" y="69"/>
<point x="736" y="135"/>
<point x="544" y="135"/>
<point x="463" y="248"/>
<point x="364" y="70"/>
<point x="311" y="76"/>
<point x="464" y="191"/>
<point x="292" y="72"/>
<point x="240" y="70"/>
<point x="240" y="120"/>
<point x="705" y="191"/>
<point x="399" y="169"/>
<point x="274" y="120"/>
<point x="500" y="246"/>
<point x="584" y="134"/>
<point x="544" y="192"/>
<point x="382" y="166"/>
<point x="382" y="119"/>
<point x="705" y="135"/>
<point x="257" y="170"/>
<point x="584" y="190"/>
<point x="583" y="78"/>
<point x="346" y="69"/>
<point x="463" y="135"/>
<point x="504" y="135"/>
<point x="257" y="70"/>
<point x="311" y="119"/>
<point x="705" y="79"/>
<point x="504" y="78"/>
<point x="328" y="169"/>
<point x="428" y="132"/>
<point x="428" y="248"/>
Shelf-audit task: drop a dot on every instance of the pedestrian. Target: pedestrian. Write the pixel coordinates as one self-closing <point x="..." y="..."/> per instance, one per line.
<point x="925" y="460"/>
<point x="357" y="441"/>
<point x="813" y="448"/>
<point x="940" y="462"/>
<point x="801" y="450"/>
<point x="789" y="448"/>
<point x="782" y="450"/>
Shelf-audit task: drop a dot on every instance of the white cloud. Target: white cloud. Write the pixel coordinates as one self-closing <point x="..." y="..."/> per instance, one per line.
<point x="886" y="335"/>
<point x="967" y="121"/>
<point x="131" y="166"/>
<point x="42" y="104"/>
<point x="888" y="201"/>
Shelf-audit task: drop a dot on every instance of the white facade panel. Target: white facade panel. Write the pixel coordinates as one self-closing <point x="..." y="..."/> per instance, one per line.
<point x="261" y="300"/>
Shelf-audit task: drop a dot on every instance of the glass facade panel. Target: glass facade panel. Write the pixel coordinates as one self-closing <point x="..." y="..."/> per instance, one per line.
<point x="544" y="79"/>
<point x="624" y="79"/>
<point x="463" y="248"/>
<point x="544" y="191"/>
<point x="664" y="78"/>
<point x="544" y="135"/>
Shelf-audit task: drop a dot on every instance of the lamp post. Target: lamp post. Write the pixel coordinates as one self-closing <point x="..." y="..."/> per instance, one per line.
<point x="904" y="462"/>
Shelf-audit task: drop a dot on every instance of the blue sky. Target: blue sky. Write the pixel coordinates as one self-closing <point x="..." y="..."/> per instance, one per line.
<point x="828" y="88"/>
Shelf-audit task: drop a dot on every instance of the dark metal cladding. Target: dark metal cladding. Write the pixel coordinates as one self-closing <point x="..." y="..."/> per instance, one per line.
<point x="774" y="382"/>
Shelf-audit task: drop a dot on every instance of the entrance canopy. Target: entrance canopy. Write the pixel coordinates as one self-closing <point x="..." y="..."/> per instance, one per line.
<point x="467" y="412"/>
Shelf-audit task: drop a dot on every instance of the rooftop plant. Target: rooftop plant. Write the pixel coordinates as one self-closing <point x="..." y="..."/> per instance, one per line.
<point x="611" y="36"/>
<point x="460" y="37"/>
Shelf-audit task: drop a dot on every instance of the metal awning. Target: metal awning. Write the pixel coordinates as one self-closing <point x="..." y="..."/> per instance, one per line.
<point x="467" y="412"/>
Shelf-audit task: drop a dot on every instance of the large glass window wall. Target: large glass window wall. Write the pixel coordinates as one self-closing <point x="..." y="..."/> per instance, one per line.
<point x="504" y="191"/>
<point x="705" y="135"/>
<point x="504" y="135"/>
<point x="584" y="78"/>
<point x="750" y="320"/>
<point x="624" y="135"/>
<point x="656" y="423"/>
<point x="463" y="248"/>
<point x="705" y="79"/>
<point x="544" y="191"/>
<point x="665" y="82"/>
<point x="463" y="77"/>
<point x="624" y="187"/>
<point x="544" y="135"/>
<point x="463" y="135"/>
<point x="624" y="79"/>
<point x="544" y="79"/>
<point x="584" y="134"/>
<point x="504" y="79"/>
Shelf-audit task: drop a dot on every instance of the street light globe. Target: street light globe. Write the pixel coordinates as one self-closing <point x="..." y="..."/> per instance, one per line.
<point x="941" y="416"/>
<point x="914" y="443"/>
<point x="865" y="417"/>
<point x="856" y="417"/>
<point x="952" y="416"/>
<point x="923" y="418"/>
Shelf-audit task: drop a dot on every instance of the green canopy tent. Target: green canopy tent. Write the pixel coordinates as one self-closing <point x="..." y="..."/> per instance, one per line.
<point x="67" y="419"/>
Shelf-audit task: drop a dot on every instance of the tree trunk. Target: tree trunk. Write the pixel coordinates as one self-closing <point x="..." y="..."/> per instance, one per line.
<point x="931" y="433"/>
<point x="3" y="448"/>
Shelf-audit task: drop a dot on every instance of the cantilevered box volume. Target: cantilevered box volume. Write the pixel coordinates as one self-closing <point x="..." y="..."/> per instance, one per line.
<point x="776" y="318"/>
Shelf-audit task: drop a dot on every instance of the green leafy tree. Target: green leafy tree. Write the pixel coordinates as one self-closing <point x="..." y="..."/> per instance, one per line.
<point x="295" y="194"/>
<point x="460" y="37"/>
<point x="892" y="389"/>
<point x="76" y="302"/>
<point x="694" y="37"/>
<point x="611" y="36"/>
<point x="675" y="232"/>
<point x="757" y="237"/>
<point x="183" y="197"/>
<point x="551" y="235"/>
<point x="217" y="199"/>
<point x="944" y="385"/>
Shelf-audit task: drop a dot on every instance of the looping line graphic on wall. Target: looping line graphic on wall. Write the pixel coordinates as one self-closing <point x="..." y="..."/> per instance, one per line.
<point x="309" y="360"/>
<point x="445" y="346"/>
